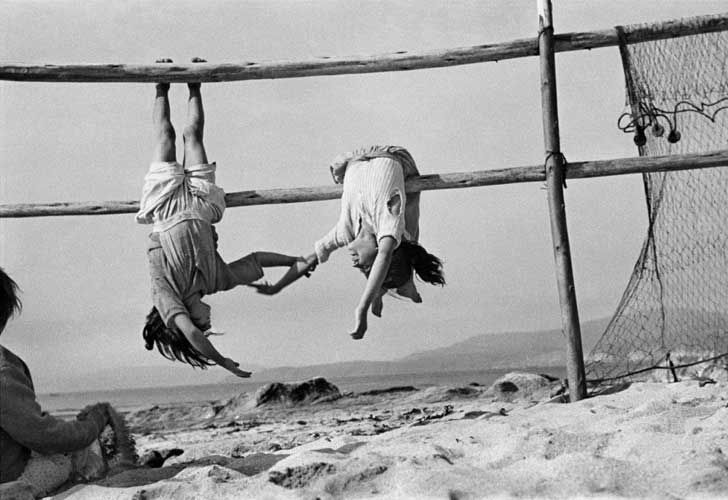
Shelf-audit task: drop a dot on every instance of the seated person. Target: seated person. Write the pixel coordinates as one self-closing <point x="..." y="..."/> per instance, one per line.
<point x="35" y="447"/>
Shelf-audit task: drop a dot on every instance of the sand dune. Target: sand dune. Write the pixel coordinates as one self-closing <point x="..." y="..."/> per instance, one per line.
<point x="646" y="440"/>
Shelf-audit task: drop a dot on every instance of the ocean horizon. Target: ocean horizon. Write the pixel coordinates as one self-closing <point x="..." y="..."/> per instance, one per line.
<point x="126" y="400"/>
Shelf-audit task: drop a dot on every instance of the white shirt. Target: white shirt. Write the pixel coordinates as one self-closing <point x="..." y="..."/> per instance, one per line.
<point x="368" y="188"/>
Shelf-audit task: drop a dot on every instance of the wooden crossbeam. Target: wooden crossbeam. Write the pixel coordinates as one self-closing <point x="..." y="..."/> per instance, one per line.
<point x="575" y="170"/>
<point x="398" y="61"/>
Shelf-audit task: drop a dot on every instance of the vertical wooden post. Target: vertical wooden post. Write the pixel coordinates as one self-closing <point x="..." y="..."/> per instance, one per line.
<point x="554" y="164"/>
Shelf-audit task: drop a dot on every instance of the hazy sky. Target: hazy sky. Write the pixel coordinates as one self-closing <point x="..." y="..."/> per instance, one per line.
<point x="84" y="279"/>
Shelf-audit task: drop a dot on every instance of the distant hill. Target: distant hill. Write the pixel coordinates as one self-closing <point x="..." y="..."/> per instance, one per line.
<point x="501" y="350"/>
<point x="508" y="350"/>
<point x="168" y="375"/>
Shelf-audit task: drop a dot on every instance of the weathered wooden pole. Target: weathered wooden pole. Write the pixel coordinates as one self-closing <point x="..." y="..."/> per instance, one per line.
<point x="454" y="180"/>
<point x="398" y="61"/>
<point x="554" y="165"/>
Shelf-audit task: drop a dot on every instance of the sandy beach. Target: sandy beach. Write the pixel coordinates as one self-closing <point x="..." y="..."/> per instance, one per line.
<point x="146" y="233"/>
<point x="514" y="439"/>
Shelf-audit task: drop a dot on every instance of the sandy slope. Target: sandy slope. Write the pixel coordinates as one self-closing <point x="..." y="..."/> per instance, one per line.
<point x="649" y="440"/>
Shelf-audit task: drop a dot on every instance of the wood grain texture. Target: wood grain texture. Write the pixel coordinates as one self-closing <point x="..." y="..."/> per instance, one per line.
<point x="457" y="180"/>
<point x="397" y="61"/>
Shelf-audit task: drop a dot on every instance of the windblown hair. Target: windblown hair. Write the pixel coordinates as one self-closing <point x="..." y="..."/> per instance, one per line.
<point x="9" y="301"/>
<point x="171" y="343"/>
<point x="411" y="256"/>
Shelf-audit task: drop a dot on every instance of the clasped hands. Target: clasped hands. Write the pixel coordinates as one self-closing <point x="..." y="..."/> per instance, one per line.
<point x="303" y="266"/>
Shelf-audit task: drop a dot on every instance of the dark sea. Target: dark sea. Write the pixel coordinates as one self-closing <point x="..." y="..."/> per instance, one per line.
<point x="125" y="400"/>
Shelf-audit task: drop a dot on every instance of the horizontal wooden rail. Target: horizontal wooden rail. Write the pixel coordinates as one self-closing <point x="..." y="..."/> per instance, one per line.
<point x="398" y="61"/>
<point x="576" y="170"/>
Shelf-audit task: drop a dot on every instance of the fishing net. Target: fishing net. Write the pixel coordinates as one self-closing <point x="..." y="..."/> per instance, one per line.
<point x="674" y="310"/>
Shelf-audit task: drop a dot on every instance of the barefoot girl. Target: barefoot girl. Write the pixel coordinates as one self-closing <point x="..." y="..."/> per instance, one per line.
<point x="380" y="224"/>
<point x="183" y="203"/>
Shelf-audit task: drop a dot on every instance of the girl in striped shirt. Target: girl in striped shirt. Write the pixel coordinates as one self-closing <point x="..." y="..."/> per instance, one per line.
<point x="379" y="224"/>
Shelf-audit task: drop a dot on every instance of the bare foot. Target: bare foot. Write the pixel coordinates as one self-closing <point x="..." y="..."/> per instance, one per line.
<point x="361" y="327"/>
<point x="195" y="85"/>
<point x="377" y="306"/>
<point x="163" y="86"/>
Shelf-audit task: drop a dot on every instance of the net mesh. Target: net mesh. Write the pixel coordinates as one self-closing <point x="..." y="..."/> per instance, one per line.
<point x="675" y="306"/>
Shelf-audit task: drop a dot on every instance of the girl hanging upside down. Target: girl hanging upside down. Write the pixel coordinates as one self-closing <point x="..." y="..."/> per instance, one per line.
<point x="379" y="222"/>
<point x="183" y="203"/>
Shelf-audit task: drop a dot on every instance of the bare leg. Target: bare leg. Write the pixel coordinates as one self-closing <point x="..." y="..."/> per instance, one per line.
<point x="412" y="216"/>
<point x="164" y="136"/>
<point x="412" y="207"/>
<point x="377" y="304"/>
<point x="164" y="149"/>
<point x="194" y="148"/>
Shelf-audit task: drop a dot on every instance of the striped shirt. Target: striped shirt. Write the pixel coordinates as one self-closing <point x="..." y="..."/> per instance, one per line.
<point x="369" y="185"/>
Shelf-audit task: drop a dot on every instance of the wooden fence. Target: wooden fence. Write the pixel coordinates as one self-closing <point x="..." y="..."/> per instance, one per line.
<point x="553" y="171"/>
<point x="397" y="61"/>
<point x="456" y="180"/>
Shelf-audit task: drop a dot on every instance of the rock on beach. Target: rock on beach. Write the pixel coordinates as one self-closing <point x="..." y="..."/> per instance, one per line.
<point x="510" y="440"/>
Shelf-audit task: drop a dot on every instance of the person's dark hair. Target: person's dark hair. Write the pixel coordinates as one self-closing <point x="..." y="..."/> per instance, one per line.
<point x="410" y="256"/>
<point x="171" y="343"/>
<point x="9" y="301"/>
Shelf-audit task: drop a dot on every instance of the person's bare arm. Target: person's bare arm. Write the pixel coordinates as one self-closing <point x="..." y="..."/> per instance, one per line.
<point x="378" y="273"/>
<point x="340" y="235"/>
<point x="272" y="259"/>
<point x="200" y="342"/>
<point x="24" y="420"/>
<point x="303" y="266"/>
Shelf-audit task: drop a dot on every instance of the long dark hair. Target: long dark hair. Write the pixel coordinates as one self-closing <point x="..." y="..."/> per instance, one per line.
<point x="9" y="301"/>
<point x="171" y="343"/>
<point x="410" y="256"/>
